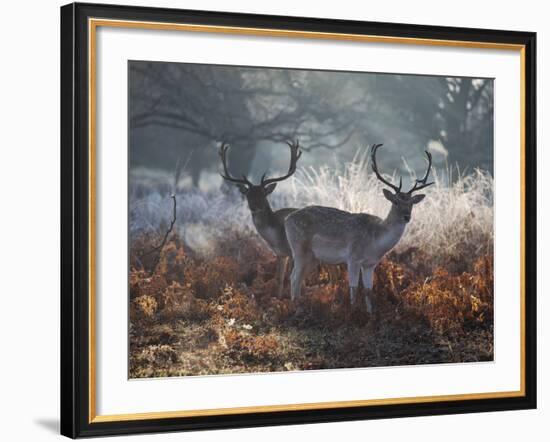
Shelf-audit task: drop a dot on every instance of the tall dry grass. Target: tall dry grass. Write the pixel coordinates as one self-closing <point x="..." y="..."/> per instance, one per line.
<point x="457" y="211"/>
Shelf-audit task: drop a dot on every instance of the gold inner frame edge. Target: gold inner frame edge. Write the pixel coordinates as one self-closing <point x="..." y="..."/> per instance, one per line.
<point x="93" y="24"/>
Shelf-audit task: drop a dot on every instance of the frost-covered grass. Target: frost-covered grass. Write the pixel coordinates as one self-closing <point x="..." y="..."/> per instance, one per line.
<point x="456" y="213"/>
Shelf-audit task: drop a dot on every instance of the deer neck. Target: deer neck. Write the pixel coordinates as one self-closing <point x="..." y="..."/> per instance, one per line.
<point x="263" y="216"/>
<point x="395" y="227"/>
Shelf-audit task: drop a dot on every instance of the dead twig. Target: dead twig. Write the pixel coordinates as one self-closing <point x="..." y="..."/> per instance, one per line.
<point x="166" y="235"/>
<point x="177" y="173"/>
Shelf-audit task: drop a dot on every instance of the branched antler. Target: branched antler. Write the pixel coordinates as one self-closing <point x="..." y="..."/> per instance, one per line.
<point x="419" y="183"/>
<point x="422" y="181"/>
<point x="226" y="175"/>
<point x="295" y="154"/>
<point x="378" y="175"/>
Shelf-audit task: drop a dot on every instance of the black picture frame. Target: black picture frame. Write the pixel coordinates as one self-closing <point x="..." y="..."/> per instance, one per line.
<point x="75" y="219"/>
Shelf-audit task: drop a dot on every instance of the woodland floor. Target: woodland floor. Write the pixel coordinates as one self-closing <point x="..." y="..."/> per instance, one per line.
<point x="191" y="315"/>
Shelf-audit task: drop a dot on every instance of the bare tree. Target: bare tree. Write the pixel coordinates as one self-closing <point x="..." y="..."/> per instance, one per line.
<point x="456" y="111"/>
<point x="242" y="106"/>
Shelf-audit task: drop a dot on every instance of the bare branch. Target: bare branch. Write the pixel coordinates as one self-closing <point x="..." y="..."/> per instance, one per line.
<point x="165" y="238"/>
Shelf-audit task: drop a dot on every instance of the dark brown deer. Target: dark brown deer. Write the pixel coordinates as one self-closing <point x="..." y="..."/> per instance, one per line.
<point x="269" y="223"/>
<point x="359" y="240"/>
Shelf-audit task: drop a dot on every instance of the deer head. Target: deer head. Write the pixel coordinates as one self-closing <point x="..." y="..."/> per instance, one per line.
<point x="256" y="193"/>
<point x="402" y="202"/>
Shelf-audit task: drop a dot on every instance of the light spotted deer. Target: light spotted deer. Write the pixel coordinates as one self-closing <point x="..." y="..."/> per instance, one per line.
<point x="269" y="223"/>
<point x="359" y="240"/>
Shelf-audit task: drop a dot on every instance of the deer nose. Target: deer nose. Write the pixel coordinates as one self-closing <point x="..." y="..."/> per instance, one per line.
<point x="407" y="218"/>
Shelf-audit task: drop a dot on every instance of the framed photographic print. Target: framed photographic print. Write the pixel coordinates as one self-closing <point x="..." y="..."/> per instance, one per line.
<point x="278" y="220"/>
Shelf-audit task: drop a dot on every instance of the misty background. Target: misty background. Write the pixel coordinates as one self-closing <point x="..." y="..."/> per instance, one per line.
<point x="181" y="112"/>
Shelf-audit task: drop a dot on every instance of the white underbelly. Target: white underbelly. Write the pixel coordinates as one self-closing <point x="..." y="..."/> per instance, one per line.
<point x="329" y="251"/>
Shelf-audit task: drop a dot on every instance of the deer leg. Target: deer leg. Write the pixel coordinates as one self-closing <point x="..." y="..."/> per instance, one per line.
<point x="296" y="278"/>
<point x="367" y="274"/>
<point x="353" y="276"/>
<point x="301" y="256"/>
<point x="303" y="264"/>
<point x="281" y="271"/>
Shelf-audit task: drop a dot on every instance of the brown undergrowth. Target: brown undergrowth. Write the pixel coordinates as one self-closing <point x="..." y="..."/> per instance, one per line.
<point x="197" y="315"/>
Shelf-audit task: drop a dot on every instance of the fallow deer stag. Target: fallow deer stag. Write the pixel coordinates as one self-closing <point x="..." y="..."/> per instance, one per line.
<point x="359" y="240"/>
<point x="268" y="223"/>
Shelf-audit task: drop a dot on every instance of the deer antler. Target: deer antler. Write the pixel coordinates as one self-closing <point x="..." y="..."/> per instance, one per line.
<point x="375" y="170"/>
<point x="295" y="154"/>
<point x="226" y="175"/>
<point x="422" y="182"/>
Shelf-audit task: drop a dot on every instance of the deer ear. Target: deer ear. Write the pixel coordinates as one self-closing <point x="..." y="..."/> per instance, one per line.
<point x="270" y="188"/>
<point x="243" y="188"/>
<point x="389" y="196"/>
<point x="417" y="198"/>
